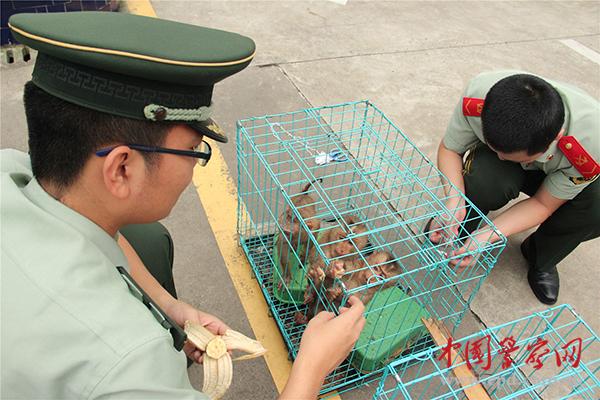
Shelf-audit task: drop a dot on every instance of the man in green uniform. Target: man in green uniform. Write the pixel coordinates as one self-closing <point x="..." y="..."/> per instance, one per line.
<point x="118" y="111"/>
<point x="514" y="132"/>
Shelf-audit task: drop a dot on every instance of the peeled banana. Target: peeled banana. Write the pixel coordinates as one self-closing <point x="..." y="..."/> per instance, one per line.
<point x="218" y="367"/>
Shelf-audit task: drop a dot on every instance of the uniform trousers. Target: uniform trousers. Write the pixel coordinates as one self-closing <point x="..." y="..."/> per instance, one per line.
<point x="490" y="183"/>
<point x="153" y="244"/>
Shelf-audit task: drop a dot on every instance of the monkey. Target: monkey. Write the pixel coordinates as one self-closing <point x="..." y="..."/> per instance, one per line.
<point x="337" y="247"/>
<point x="379" y="264"/>
<point x="355" y="273"/>
<point x="298" y="237"/>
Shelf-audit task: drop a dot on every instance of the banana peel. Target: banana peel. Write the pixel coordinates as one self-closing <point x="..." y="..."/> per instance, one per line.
<point x="217" y="361"/>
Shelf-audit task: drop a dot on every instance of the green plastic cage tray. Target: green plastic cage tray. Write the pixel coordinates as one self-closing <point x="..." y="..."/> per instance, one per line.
<point x="389" y="330"/>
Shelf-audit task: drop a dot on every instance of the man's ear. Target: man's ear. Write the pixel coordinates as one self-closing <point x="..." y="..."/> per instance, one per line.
<point x="118" y="172"/>
<point x="560" y="134"/>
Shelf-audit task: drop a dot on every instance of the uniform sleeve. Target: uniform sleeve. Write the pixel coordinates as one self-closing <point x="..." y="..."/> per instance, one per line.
<point x="154" y="370"/>
<point x="459" y="135"/>
<point x="565" y="185"/>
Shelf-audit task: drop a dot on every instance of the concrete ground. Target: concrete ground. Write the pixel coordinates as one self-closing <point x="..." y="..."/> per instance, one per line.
<point x="411" y="59"/>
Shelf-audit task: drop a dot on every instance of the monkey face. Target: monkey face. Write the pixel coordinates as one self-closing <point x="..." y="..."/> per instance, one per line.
<point x="343" y="247"/>
<point x="388" y="270"/>
<point x="291" y="224"/>
<point x="384" y="264"/>
<point x="346" y="246"/>
<point x="360" y="242"/>
<point x="359" y="239"/>
<point x="312" y="222"/>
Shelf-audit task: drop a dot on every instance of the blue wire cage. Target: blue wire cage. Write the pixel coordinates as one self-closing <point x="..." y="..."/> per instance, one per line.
<point x="350" y="168"/>
<point x="552" y="334"/>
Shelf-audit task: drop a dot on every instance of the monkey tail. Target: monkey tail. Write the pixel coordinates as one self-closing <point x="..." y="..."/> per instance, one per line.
<point x="309" y="184"/>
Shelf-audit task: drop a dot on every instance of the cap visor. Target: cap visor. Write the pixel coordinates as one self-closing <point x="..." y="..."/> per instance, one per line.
<point x="210" y="129"/>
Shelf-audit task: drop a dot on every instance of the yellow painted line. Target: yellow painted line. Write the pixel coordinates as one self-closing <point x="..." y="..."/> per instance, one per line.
<point x="139" y="7"/>
<point x="218" y="195"/>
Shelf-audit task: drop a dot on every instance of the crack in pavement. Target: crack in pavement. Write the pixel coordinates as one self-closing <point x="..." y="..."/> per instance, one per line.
<point x="425" y="50"/>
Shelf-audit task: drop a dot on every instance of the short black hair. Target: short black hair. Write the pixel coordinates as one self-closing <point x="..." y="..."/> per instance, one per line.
<point x="522" y="113"/>
<point x="63" y="135"/>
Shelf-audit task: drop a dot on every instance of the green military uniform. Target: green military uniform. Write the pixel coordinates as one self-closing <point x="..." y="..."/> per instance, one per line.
<point x="72" y="327"/>
<point x="491" y="183"/>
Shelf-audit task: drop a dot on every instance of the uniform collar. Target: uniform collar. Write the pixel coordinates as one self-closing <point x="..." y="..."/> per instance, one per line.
<point x="567" y="112"/>
<point x="549" y="154"/>
<point x="106" y="243"/>
<point x="552" y="149"/>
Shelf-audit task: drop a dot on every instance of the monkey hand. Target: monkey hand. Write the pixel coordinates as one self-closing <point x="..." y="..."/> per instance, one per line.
<point x="333" y="293"/>
<point x="309" y="295"/>
<point x="316" y="274"/>
<point x="300" y="318"/>
<point x="336" y="269"/>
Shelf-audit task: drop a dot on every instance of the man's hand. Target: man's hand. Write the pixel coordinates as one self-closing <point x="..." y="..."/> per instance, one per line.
<point x="180" y="312"/>
<point x="521" y="216"/>
<point x="444" y="228"/>
<point x="461" y="262"/>
<point x="325" y="343"/>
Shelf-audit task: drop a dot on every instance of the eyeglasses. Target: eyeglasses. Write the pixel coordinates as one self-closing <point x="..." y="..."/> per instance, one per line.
<point x="202" y="152"/>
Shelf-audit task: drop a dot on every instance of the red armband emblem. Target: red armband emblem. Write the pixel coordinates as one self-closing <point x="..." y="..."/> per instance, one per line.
<point x="578" y="157"/>
<point x="472" y="107"/>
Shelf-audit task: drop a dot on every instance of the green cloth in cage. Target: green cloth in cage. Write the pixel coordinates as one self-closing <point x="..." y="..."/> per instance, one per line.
<point x="393" y="325"/>
<point x="293" y="292"/>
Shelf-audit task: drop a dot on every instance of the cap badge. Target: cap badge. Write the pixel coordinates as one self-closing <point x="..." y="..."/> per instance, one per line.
<point x="155" y="112"/>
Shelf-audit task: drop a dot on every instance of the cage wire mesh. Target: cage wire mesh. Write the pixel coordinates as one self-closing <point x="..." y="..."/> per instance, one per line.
<point x="341" y="190"/>
<point x="548" y="355"/>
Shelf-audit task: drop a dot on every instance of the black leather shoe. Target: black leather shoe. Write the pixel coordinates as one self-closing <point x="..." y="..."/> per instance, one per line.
<point x="544" y="284"/>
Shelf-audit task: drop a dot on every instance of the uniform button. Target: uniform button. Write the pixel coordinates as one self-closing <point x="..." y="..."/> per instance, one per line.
<point x="160" y="114"/>
<point x="568" y="146"/>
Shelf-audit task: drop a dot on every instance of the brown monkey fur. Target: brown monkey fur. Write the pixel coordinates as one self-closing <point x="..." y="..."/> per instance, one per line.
<point x="298" y="237"/>
<point x="343" y="251"/>
<point x="355" y="273"/>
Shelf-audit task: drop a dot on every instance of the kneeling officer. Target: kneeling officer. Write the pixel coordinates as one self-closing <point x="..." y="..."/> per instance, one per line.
<point x="522" y="133"/>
